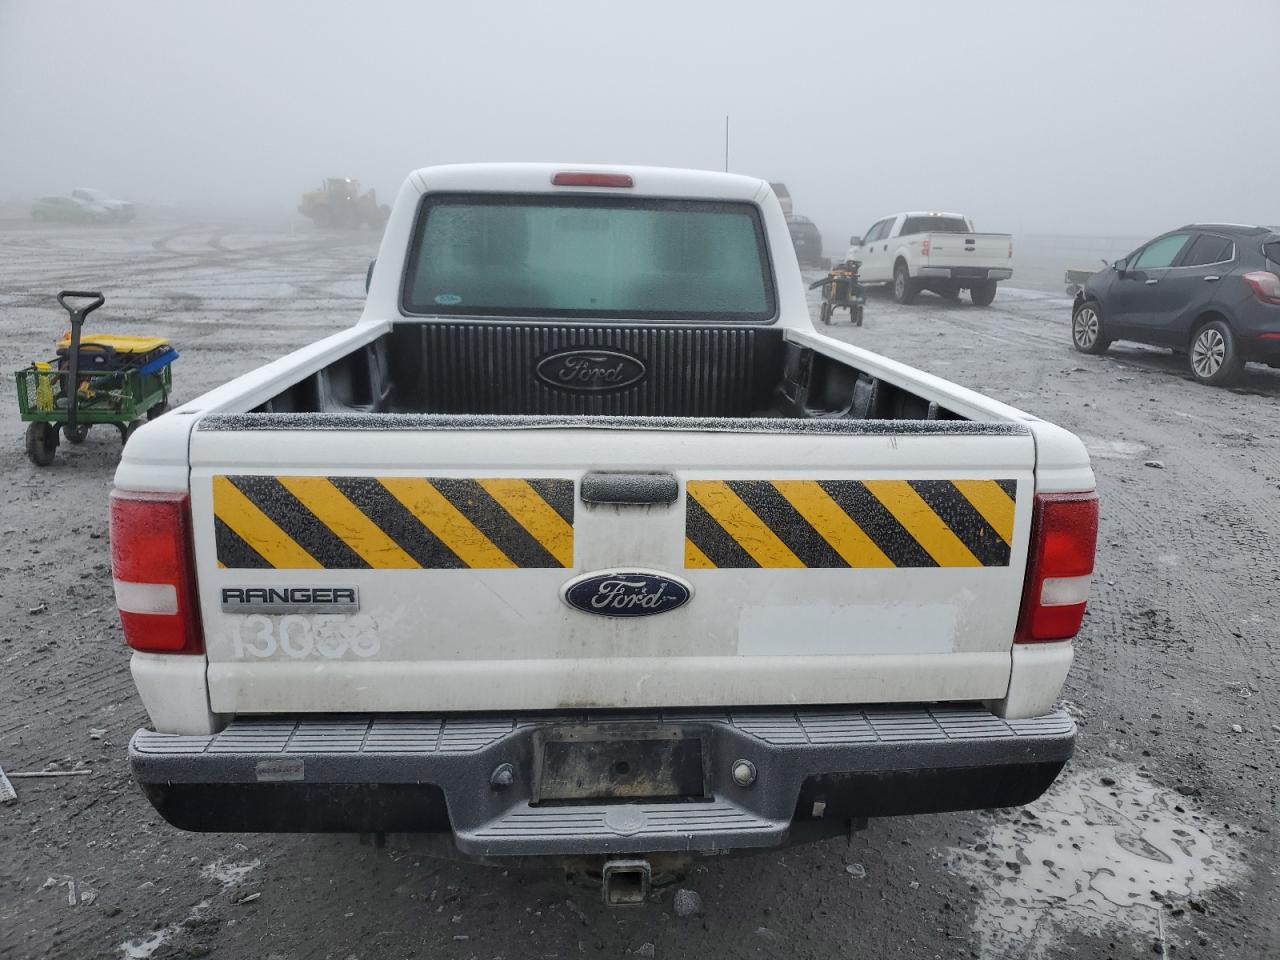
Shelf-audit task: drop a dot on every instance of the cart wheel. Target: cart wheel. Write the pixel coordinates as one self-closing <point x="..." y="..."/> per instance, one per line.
<point x="42" y="443"/>
<point x="130" y="430"/>
<point x="825" y="313"/>
<point x="77" y="433"/>
<point x="157" y="409"/>
<point x="855" y="314"/>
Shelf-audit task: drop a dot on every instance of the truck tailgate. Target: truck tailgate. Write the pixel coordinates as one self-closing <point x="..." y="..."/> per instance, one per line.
<point x="968" y="250"/>
<point x="401" y="569"/>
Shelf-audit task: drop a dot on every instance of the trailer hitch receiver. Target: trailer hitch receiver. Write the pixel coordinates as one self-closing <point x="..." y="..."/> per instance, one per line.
<point x="626" y="882"/>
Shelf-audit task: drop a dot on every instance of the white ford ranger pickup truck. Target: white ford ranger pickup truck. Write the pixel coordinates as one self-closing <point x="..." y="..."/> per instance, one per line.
<point x="940" y="252"/>
<point x="583" y="542"/>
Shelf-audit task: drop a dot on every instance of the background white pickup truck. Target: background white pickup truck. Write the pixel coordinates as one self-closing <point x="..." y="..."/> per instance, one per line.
<point x="933" y="251"/>
<point x="582" y="541"/>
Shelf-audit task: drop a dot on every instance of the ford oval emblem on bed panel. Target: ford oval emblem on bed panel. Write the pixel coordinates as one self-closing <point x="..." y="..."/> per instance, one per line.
<point x="590" y="371"/>
<point x="626" y="593"/>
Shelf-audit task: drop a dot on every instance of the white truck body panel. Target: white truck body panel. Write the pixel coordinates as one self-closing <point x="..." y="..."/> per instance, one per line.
<point x="950" y="250"/>
<point x="480" y="639"/>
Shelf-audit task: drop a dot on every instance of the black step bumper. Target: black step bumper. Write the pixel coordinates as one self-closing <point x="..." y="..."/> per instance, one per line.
<point x="404" y="774"/>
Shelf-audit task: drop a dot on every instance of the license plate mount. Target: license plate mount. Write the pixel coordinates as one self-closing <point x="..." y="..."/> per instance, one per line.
<point x="619" y="762"/>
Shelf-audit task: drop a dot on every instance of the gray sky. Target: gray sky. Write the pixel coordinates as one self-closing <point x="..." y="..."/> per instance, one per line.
<point x="1123" y="117"/>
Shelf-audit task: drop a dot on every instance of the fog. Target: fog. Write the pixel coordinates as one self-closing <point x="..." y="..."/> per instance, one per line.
<point x="1069" y="118"/>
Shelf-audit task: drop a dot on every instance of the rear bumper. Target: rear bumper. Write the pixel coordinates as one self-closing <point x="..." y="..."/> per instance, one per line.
<point x="961" y="274"/>
<point x="411" y="774"/>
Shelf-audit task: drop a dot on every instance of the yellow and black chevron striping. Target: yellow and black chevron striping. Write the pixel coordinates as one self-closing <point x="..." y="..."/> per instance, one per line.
<point x="849" y="523"/>
<point x="352" y="523"/>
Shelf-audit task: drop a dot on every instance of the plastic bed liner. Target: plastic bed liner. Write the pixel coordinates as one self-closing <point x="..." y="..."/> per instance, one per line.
<point x="531" y="370"/>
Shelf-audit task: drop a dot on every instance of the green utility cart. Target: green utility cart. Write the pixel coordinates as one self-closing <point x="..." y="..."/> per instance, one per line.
<point x="94" y="379"/>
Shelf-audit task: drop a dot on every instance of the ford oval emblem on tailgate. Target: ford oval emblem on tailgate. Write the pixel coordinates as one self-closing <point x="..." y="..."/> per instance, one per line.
<point x="593" y="371"/>
<point x="626" y="593"/>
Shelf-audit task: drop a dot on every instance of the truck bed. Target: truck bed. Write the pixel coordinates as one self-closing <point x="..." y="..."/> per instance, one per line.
<point x="507" y="369"/>
<point x="791" y="460"/>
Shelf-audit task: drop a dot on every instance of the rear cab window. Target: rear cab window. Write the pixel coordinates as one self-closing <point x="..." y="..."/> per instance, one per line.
<point x="935" y="225"/>
<point x="607" y="258"/>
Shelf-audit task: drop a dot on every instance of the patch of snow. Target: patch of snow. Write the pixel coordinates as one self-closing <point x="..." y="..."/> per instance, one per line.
<point x="145" y="947"/>
<point x="1113" y="449"/>
<point x="229" y="874"/>
<point x="1101" y="846"/>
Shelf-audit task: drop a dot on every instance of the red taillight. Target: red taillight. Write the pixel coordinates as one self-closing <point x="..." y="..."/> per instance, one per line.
<point x="1064" y="534"/>
<point x="1265" y="285"/>
<point x="153" y="567"/>
<point x="924" y="247"/>
<point x="1010" y="249"/>
<point x="592" y="180"/>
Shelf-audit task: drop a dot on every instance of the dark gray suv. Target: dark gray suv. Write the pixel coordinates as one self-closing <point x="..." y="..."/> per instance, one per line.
<point x="1209" y="290"/>
<point x="807" y="241"/>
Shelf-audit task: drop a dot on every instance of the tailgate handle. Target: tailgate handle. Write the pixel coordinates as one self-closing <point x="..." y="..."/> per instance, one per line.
<point x="629" y="488"/>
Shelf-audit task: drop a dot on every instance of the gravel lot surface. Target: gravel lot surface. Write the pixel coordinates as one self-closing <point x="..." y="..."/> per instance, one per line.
<point x="1159" y="840"/>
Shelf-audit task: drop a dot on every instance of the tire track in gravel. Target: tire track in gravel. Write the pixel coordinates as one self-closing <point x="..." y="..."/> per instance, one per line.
<point x="104" y="262"/>
<point x="127" y="269"/>
<point x="162" y="244"/>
